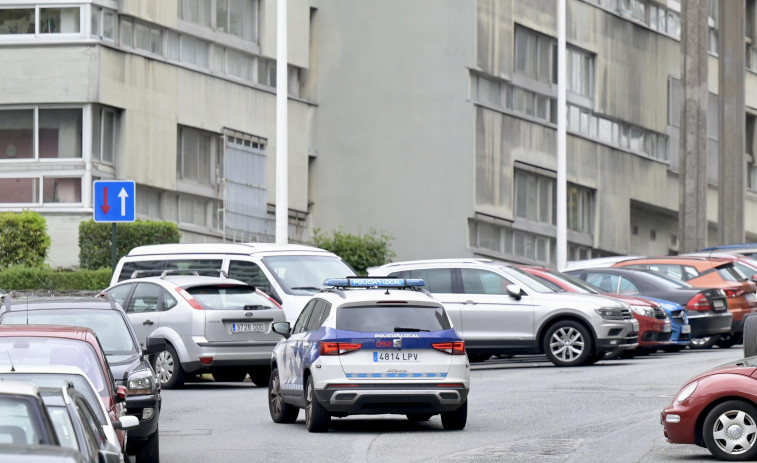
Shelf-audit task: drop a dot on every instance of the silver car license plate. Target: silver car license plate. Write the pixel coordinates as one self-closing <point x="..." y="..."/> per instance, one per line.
<point x="247" y="327"/>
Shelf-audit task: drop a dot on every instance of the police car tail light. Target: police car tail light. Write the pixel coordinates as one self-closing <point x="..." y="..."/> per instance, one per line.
<point x="338" y="348"/>
<point x="452" y="348"/>
<point x="188" y="297"/>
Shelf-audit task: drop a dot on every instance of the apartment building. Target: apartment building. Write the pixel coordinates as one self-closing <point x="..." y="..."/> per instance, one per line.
<point x="444" y="115"/>
<point x="178" y="96"/>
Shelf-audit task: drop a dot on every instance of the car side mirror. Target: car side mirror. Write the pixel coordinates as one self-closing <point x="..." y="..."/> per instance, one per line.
<point x="121" y="393"/>
<point x="126" y="422"/>
<point x="514" y="291"/>
<point x="281" y="328"/>
<point x="154" y="345"/>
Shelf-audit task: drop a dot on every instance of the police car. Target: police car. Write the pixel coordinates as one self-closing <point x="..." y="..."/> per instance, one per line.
<point x="366" y="346"/>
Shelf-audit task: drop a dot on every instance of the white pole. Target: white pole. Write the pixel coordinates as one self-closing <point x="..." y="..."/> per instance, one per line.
<point x="282" y="168"/>
<point x="562" y="242"/>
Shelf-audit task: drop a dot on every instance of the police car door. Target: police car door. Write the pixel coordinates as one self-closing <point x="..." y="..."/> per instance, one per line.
<point x="297" y="347"/>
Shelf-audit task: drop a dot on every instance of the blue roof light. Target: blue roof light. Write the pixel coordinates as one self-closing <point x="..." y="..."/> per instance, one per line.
<point x="358" y="282"/>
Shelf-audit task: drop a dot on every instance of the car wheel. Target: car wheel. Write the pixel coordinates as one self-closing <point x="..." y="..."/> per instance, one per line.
<point x="567" y="344"/>
<point x="317" y="419"/>
<point x="706" y="342"/>
<point x="149" y="451"/>
<point x="729" y="340"/>
<point x="168" y="368"/>
<point x="281" y="412"/>
<point x="750" y="336"/>
<point x="260" y="375"/>
<point x="416" y="417"/>
<point x="730" y="431"/>
<point x="229" y="375"/>
<point x="456" y="419"/>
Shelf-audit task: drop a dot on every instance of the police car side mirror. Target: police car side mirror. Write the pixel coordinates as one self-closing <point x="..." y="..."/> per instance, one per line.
<point x="281" y="328"/>
<point x="514" y="291"/>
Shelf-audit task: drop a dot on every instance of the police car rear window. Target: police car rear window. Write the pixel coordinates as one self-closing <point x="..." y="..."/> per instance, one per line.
<point x="388" y="319"/>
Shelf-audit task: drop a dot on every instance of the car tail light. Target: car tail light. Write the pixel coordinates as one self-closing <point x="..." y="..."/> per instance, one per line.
<point x="699" y="302"/>
<point x="734" y="292"/>
<point x="189" y="298"/>
<point x="337" y="348"/>
<point x="452" y="348"/>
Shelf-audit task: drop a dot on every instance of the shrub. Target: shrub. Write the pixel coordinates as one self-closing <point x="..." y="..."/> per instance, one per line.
<point x="360" y="251"/>
<point x="44" y="278"/>
<point x="23" y="239"/>
<point x="95" y="239"/>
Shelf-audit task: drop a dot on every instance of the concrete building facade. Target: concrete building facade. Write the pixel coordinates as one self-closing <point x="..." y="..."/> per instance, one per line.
<point x="433" y="121"/>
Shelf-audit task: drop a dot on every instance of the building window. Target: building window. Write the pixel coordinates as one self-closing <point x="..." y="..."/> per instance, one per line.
<point x="148" y="38"/>
<point x="238" y="17"/>
<point x="535" y="198"/>
<point x="61" y="190"/>
<point x="17" y="21"/>
<point x="103" y="24"/>
<point x="64" y="190"/>
<point x="19" y="190"/>
<point x="42" y="20"/>
<point x="267" y="72"/>
<point x="40" y="133"/>
<point x="104" y="134"/>
<point x="195" y="51"/>
<point x="196" y="157"/>
<point x="751" y="152"/>
<point x="195" y="11"/>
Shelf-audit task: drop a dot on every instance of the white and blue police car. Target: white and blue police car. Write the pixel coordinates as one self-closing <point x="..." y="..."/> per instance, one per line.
<point x="367" y="346"/>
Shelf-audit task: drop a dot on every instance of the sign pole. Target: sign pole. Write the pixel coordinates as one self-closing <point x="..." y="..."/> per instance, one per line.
<point x="113" y="248"/>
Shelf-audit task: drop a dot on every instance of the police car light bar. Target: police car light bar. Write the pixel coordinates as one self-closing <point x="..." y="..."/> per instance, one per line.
<point x="352" y="282"/>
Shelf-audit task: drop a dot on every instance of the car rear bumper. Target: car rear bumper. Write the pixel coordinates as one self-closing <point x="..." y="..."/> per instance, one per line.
<point x="147" y="409"/>
<point x="226" y="354"/>
<point x="709" y="323"/>
<point x="379" y="399"/>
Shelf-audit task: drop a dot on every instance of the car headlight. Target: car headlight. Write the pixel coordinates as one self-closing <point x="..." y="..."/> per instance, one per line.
<point x="643" y="310"/>
<point x="611" y="313"/>
<point x="686" y="392"/>
<point x="141" y="382"/>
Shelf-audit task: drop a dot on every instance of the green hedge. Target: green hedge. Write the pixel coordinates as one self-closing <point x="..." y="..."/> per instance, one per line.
<point x="44" y="278"/>
<point x="360" y="251"/>
<point x="95" y="239"/>
<point x="23" y="239"/>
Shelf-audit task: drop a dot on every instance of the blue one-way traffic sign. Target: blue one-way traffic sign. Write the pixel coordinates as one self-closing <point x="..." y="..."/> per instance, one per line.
<point x="114" y="201"/>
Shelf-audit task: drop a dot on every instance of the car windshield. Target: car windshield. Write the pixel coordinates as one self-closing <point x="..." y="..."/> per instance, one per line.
<point x="305" y="275"/>
<point x="38" y="350"/>
<point x="391" y="319"/>
<point x="109" y="326"/>
<point x="527" y="280"/>
<point x="229" y="297"/>
<point x="18" y="425"/>
<point x="60" y="380"/>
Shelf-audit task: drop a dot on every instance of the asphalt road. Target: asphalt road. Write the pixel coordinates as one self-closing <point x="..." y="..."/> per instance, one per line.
<point x="520" y="410"/>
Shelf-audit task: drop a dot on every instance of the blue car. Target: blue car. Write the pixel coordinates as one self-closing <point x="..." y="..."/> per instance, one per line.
<point x="680" y="334"/>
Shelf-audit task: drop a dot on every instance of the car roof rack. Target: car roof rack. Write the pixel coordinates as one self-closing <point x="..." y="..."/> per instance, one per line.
<point x="165" y="272"/>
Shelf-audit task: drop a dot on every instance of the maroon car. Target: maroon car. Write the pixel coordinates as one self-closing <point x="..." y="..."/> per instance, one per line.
<point x="717" y="409"/>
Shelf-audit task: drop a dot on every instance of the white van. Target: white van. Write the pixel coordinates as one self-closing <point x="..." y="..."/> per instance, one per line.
<point x="290" y="273"/>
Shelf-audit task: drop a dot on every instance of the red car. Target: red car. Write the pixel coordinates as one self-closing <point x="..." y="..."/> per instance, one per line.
<point x="65" y="345"/>
<point x="654" y="325"/>
<point x="717" y="409"/>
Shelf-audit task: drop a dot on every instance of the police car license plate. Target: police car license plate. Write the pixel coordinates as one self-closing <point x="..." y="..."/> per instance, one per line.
<point x="686" y="329"/>
<point x="396" y="356"/>
<point x="247" y="327"/>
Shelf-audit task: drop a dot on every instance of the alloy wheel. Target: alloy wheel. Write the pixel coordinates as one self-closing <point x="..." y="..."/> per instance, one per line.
<point x="567" y="343"/>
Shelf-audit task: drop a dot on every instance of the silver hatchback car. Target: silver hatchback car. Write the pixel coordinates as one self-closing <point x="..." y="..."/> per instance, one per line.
<point x="210" y="324"/>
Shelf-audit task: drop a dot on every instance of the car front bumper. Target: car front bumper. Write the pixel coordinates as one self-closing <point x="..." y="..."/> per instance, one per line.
<point x="620" y="334"/>
<point x="146" y="407"/>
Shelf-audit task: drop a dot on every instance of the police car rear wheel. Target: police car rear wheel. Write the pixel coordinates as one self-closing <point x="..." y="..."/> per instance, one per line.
<point x="455" y="420"/>
<point x="280" y="412"/>
<point x="419" y="416"/>
<point x="317" y="419"/>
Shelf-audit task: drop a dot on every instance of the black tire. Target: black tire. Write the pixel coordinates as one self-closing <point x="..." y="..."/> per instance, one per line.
<point x="149" y="450"/>
<point x="594" y="358"/>
<point x="732" y="416"/>
<point x="168" y="369"/>
<point x="706" y="342"/>
<point x="229" y="374"/>
<point x="455" y="420"/>
<point x="417" y="417"/>
<point x="281" y="412"/>
<point x="673" y="348"/>
<point x="750" y="336"/>
<point x="260" y="375"/>
<point x="317" y="419"/>
<point x="568" y="344"/>
<point x="729" y="340"/>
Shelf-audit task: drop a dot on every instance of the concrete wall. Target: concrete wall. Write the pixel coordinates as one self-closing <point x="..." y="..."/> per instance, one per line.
<point x="394" y="135"/>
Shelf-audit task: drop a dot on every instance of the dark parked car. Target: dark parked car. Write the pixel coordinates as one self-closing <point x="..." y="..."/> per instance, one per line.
<point x="128" y="362"/>
<point x="707" y="308"/>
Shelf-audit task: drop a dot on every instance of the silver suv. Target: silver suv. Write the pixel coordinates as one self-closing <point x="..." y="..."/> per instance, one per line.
<point x="499" y="309"/>
<point x="210" y="324"/>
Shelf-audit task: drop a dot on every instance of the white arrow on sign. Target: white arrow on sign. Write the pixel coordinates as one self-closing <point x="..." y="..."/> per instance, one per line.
<point x="123" y="195"/>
